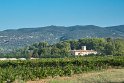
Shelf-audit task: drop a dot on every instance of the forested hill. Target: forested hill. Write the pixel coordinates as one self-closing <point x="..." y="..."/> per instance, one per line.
<point x="52" y="34"/>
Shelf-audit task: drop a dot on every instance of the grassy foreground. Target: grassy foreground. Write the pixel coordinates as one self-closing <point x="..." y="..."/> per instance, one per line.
<point x="105" y="76"/>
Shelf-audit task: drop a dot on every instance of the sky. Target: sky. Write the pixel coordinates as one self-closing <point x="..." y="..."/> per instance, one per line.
<point x="16" y="14"/>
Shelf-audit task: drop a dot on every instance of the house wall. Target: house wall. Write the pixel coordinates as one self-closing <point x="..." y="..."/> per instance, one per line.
<point x="84" y="53"/>
<point x="74" y="52"/>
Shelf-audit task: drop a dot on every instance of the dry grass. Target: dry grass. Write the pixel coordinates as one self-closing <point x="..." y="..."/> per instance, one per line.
<point x="106" y="76"/>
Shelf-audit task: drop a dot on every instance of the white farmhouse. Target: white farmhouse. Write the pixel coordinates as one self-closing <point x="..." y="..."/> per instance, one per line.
<point x="83" y="51"/>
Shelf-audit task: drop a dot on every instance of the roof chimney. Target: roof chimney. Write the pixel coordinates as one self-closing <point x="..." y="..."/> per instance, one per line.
<point x="83" y="47"/>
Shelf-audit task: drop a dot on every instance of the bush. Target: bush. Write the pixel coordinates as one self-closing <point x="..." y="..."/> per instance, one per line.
<point x="42" y="68"/>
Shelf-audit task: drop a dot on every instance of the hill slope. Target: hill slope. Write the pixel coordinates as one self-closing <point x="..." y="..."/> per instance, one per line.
<point x="10" y="39"/>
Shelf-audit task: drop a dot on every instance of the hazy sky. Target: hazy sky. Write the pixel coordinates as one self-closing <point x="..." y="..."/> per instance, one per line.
<point x="35" y="13"/>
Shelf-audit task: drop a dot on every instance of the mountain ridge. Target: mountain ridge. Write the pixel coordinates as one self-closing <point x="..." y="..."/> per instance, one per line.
<point x="15" y="38"/>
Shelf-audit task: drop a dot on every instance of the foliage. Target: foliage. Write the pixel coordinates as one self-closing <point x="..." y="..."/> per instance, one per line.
<point x="42" y="68"/>
<point x="62" y="49"/>
<point x="14" y="39"/>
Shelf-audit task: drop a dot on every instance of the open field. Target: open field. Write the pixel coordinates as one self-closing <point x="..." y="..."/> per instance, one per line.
<point x="105" y="76"/>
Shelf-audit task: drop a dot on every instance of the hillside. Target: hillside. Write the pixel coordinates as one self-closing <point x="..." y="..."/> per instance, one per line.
<point x="10" y="39"/>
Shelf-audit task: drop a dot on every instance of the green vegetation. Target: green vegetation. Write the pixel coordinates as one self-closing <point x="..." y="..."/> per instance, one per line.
<point x="62" y="49"/>
<point x="56" y="60"/>
<point x="42" y="68"/>
<point x="105" y="76"/>
<point x="13" y="39"/>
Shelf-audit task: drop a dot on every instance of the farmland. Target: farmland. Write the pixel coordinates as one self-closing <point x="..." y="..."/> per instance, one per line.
<point x="102" y="76"/>
<point x="51" y="67"/>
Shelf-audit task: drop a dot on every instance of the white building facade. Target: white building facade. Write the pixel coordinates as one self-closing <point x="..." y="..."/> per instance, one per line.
<point x="83" y="52"/>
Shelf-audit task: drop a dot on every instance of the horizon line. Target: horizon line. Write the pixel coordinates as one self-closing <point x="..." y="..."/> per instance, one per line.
<point x="61" y="26"/>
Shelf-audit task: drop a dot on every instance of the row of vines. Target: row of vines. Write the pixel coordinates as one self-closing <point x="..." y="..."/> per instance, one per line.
<point x="42" y="68"/>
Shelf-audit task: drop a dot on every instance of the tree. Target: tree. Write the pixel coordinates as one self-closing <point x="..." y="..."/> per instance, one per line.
<point x="119" y="47"/>
<point x="35" y="53"/>
<point x="42" y="44"/>
<point x="74" y="44"/>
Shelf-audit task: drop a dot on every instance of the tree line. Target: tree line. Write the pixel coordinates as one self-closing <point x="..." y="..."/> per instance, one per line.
<point x="104" y="46"/>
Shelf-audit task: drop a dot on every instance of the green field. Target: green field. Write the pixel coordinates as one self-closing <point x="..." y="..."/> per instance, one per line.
<point x="53" y="67"/>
